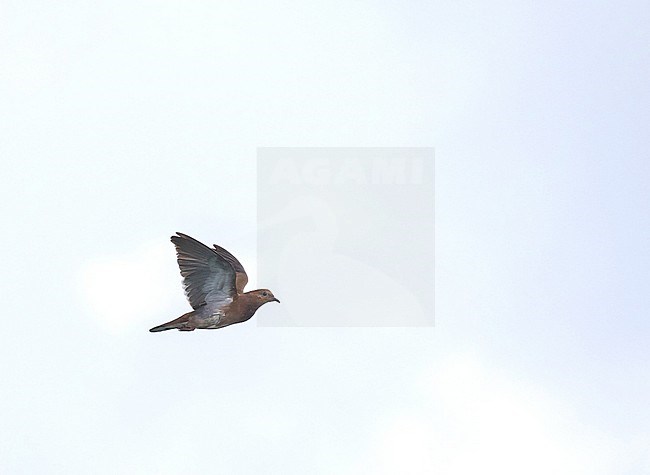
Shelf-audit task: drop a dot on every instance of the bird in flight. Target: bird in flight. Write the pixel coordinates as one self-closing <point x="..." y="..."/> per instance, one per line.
<point x="214" y="281"/>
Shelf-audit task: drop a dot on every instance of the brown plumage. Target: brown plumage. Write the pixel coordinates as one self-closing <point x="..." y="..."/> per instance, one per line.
<point x="214" y="282"/>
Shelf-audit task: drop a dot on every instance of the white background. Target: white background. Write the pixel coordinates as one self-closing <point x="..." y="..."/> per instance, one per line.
<point x="346" y="235"/>
<point x="123" y="122"/>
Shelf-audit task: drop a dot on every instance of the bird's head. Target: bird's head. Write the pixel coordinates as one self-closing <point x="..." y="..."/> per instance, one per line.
<point x="264" y="295"/>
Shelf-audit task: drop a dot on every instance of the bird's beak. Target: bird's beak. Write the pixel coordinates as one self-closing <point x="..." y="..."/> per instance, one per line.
<point x="275" y="300"/>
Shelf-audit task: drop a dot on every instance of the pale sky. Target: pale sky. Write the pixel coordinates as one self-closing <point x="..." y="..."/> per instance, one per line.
<point x="124" y="122"/>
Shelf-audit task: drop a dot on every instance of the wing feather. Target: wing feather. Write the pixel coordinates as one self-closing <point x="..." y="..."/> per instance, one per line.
<point x="208" y="278"/>
<point x="241" y="278"/>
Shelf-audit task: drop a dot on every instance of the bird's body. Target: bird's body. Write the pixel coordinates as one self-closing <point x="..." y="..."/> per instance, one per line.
<point x="214" y="282"/>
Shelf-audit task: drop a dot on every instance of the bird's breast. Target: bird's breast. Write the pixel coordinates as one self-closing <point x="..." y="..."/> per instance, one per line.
<point x="240" y="309"/>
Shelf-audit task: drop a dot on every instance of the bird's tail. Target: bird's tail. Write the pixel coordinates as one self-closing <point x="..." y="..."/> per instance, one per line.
<point x="181" y="323"/>
<point x="163" y="327"/>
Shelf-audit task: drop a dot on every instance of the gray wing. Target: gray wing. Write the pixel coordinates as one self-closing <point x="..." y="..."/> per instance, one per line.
<point x="241" y="278"/>
<point x="208" y="278"/>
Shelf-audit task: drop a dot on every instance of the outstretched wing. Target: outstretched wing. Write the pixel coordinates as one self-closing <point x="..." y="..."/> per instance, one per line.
<point x="241" y="279"/>
<point x="208" y="278"/>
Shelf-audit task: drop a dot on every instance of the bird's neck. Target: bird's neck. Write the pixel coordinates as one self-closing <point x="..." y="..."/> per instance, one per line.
<point x="248" y="303"/>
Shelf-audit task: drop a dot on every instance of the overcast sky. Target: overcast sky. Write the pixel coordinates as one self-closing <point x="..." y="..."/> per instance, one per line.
<point x="124" y="122"/>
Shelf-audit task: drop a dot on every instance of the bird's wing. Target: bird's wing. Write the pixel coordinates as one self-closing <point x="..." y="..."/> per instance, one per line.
<point x="208" y="278"/>
<point x="241" y="279"/>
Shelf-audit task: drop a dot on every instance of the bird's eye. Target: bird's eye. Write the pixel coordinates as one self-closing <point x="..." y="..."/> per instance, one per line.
<point x="264" y="294"/>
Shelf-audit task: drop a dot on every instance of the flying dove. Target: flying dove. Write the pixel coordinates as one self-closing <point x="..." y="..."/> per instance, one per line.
<point x="214" y="281"/>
